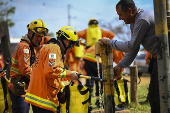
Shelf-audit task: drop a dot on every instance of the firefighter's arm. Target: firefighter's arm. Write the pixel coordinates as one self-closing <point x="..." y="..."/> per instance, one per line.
<point x="82" y="34"/>
<point x="107" y="34"/>
<point x="24" y="54"/>
<point x="1" y="64"/>
<point x="53" y="67"/>
<point x="1" y="68"/>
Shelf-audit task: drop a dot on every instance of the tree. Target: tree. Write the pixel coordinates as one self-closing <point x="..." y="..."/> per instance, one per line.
<point x="121" y="30"/>
<point x="51" y="34"/>
<point x="6" y="12"/>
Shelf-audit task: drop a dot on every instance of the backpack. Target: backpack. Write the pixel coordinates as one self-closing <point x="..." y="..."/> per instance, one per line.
<point x="122" y="97"/>
<point x="77" y="99"/>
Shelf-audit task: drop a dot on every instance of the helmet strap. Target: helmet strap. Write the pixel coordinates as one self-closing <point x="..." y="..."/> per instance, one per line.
<point x="33" y="34"/>
<point x="62" y="41"/>
<point x="62" y="38"/>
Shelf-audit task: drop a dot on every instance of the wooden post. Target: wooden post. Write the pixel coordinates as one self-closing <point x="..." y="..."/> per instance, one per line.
<point x="133" y="84"/>
<point x="5" y="45"/>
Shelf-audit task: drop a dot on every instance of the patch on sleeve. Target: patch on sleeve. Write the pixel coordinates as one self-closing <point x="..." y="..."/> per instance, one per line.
<point x="26" y="58"/>
<point x="52" y="58"/>
<point x="26" y="51"/>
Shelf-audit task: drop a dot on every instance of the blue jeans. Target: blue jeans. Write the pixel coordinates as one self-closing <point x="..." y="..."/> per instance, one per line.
<point x="18" y="103"/>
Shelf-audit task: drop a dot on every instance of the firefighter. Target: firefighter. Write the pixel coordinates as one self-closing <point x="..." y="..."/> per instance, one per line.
<point x="48" y="72"/>
<point x="44" y="41"/>
<point x="92" y="35"/>
<point x="74" y="59"/>
<point x="22" y="59"/>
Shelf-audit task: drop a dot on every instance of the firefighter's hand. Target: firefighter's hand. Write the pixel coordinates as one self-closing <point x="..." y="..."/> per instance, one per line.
<point x="117" y="71"/>
<point x="3" y="73"/>
<point x="73" y="75"/>
<point x="105" y="40"/>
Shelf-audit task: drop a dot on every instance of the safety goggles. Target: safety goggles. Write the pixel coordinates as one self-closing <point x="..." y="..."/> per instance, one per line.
<point x="41" y="30"/>
<point x="74" y="43"/>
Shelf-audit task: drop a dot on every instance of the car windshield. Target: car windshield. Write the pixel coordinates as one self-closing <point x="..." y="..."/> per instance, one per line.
<point x="141" y="56"/>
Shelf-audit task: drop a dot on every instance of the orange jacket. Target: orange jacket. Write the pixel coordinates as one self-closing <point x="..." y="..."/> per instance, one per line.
<point x="72" y="61"/>
<point x="1" y="64"/>
<point x="90" y="52"/>
<point x="148" y="57"/>
<point x="45" y="79"/>
<point x="117" y="55"/>
<point x="44" y="41"/>
<point x="21" y="61"/>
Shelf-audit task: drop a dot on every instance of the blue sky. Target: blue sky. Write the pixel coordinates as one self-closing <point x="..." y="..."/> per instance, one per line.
<point x="55" y="13"/>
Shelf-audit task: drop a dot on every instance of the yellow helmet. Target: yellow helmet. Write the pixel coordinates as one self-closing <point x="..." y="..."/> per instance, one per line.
<point x="93" y="21"/>
<point x="69" y="33"/>
<point x="38" y="26"/>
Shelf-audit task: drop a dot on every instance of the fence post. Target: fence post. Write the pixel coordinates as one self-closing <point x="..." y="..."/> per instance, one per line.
<point x="133" y="84"/>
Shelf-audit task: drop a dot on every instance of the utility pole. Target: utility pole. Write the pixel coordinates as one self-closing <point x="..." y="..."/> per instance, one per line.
<point x="69" y="17"/>
<point x="161" y="31"/>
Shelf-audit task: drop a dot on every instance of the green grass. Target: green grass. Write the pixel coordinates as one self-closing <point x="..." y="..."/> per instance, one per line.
<point x="142" y="107"/>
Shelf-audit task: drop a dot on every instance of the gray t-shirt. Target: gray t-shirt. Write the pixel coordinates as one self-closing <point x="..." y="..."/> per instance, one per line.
<point x="142" y="32"/>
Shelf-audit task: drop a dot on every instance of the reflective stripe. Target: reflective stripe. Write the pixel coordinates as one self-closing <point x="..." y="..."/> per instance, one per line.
<point x="63" y="74"/>
<point x="14" y="61"/>
<point x="15" y="70"/>
<point x="40" y="101"/>
<point x="91" y="56"/>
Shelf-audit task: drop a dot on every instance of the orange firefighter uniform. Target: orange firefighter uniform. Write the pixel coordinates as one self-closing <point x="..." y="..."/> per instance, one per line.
<point x="148" y="57"/>
<point x="72" y="61"/>
<point x="47" y="73"/>
<point x="117" y="56"/>
<point x="92" y="35"/>
<point x="44" y="41"/>
<point x="21" y="61"/>
<point x="90" y="50"/>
